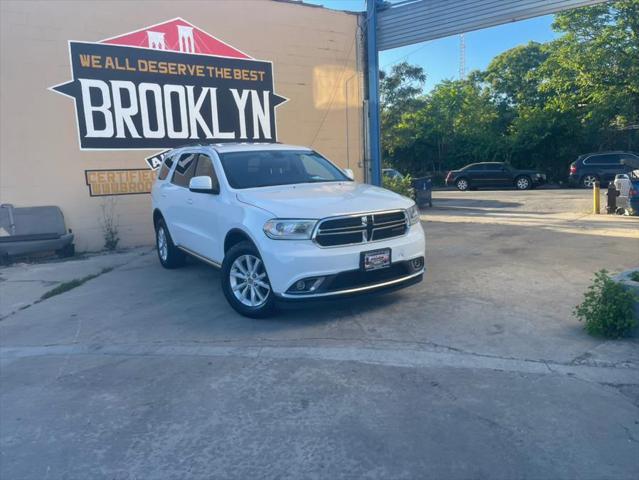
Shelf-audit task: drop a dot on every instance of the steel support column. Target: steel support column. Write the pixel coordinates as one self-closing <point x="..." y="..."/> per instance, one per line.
<point x="373" y="93"/>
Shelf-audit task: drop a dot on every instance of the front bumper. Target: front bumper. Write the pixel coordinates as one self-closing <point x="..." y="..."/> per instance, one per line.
<point x="355" y="282"/>
<point x="289" y="261"/>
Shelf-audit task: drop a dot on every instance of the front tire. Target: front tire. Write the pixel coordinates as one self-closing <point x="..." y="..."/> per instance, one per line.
<point x="462" y="184"/>
<point x="245" y="282"/>
<point x="523" y="183"/>
<point x="170" y="256"/>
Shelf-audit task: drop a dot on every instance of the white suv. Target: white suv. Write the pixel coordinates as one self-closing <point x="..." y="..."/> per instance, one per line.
<point x="284" y="224"/>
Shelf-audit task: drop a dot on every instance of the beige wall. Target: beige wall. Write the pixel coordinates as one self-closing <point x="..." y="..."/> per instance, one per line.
<point x="315" y="57"/>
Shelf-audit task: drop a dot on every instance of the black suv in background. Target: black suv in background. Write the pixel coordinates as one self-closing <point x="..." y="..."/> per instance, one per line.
<point x="494" y="174"/>
<point x="602" y="166"/>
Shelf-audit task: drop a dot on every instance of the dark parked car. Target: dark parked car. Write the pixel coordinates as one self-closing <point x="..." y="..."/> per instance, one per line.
<point x="602" y="166"/>
<point x="494" y="174"/>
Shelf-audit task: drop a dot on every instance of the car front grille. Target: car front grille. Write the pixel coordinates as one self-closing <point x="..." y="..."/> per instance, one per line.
<point x="364" y="228"/>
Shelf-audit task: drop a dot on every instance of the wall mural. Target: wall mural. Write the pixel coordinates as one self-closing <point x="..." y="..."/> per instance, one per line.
<point x="165" y="86"/>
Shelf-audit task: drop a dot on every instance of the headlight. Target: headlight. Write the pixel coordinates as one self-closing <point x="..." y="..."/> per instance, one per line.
<point x="287" y="229"/>
<point x="413" y="214"/>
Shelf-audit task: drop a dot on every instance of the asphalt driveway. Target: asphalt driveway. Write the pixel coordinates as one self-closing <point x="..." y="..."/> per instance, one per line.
<point x="478" y="372"/>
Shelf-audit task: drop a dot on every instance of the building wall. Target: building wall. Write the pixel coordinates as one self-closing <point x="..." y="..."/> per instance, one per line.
<point x="315" y="55"/>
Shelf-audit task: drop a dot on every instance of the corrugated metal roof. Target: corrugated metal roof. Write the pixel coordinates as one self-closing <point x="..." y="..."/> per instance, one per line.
<point x="414" y="21"/>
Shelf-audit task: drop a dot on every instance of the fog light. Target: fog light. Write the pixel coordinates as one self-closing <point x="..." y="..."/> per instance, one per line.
<point x="307" y="285"/>
<point x="417" y="263"/>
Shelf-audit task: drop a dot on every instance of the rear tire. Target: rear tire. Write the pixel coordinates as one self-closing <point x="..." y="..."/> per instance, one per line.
<point x="245" y="282"/>
<point x="588" y="180"/>
<point x="523" y="183"/>
<point x="170" y="256"/>
<point x="462" y="184"/>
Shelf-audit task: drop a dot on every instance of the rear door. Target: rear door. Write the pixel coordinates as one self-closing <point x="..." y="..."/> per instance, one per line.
<point x="473" y="173"/>
<point x="178" y="195"/>
<point x="612" y="166"/>
<point x="604" y="165"/>
<point x="159" y="190"/>
<point x="496" y="175"/>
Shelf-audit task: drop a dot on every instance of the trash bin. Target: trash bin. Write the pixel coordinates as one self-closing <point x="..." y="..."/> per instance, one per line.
<point x="423" y="191"/>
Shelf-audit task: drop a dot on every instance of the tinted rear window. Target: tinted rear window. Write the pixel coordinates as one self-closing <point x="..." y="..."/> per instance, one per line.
<point x="165" y="168"/>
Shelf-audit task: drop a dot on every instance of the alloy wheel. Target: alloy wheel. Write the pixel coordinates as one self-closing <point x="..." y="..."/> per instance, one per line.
<point x="462" y="184"/>
<point x="163" y="246"/>
<point x="249" y="281"/>
<point x="589" y="181"/>
<point x="523" y="183"/>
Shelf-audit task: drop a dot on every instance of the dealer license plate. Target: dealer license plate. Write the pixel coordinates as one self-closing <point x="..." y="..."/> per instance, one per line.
<point x="376" y="259"/>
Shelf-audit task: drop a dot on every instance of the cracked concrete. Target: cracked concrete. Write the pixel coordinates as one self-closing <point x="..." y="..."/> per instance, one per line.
<point x="24" y="283"/>
<point x="478" y="372"/>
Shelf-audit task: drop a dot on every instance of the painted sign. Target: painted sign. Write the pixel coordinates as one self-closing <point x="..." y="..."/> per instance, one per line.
<point x="168" y="85"/>
<point x="129" y="181"/>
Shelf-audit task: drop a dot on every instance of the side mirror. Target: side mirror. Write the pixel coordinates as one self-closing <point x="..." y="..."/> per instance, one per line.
<point x="203" y="184"/>
<point x="349" y="173"/>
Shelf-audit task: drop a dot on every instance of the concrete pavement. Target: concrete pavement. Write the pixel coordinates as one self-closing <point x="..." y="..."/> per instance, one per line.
<point x="478" y="372"/>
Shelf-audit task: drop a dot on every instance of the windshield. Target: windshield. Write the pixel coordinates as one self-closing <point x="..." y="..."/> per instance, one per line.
<point x="278" y="167"/>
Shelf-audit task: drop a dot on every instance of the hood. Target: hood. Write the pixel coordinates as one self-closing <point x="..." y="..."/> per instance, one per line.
<point x="321" y="200"/>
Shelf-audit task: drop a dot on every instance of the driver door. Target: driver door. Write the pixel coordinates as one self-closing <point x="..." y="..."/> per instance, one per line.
<point x="201" y="225"/>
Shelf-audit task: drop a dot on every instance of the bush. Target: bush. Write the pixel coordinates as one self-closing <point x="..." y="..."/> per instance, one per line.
<point x="634" y="276"/>
<point x="402" y="186"/>
<point x="607" y="309"/>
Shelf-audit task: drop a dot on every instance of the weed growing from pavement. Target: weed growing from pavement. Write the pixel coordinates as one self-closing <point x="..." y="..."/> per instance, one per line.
<point x="109" y="224"/>
<point x="66" y="286"/>
<point x="607" y="309"/>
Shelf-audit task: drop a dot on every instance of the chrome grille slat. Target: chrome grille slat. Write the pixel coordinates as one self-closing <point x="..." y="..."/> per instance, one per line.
<point x="371" y="227"/>
<point x="344" y="229"/>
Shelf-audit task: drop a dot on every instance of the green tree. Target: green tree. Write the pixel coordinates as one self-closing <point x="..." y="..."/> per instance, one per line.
<point x="513" y="75"/>
<point x="400" y="92"/>
<point x="593" y="71"/>
<point x="536" y="105"/>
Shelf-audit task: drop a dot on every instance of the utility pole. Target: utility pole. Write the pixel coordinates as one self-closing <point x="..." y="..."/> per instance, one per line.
<point x="462" y="57"/>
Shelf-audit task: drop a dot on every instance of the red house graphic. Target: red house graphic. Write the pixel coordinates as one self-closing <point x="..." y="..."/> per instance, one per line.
<point x="177" y="35"/>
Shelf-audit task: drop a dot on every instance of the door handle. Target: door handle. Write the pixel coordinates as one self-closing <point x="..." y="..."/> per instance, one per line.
<point x="189" y="201"/>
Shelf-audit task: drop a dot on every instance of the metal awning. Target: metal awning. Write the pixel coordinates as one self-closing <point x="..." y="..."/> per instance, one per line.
<point x="413" y="21"/>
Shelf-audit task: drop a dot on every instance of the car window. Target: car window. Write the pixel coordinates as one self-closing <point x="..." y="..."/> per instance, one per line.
<point x="205" y="169"/>
<point x="493" y="167"/>
<point x="320" y="171"/>
<point x="278" y="167"/>
<point x="165" y="168"/>
<point x="629" y="156"/>
<point x="184" y="170"/>
<point x="605" y="159"/>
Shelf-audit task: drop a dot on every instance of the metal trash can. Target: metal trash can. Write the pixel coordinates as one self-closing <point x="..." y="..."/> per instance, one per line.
<point x="423" y="191"/>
